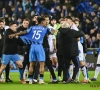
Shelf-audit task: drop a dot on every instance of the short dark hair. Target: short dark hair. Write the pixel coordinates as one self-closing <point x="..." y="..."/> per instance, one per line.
<point x="53" y="18"/>
<point x="89" y="18"/>
<point x="1" y="21"/>
<point x="35" y="15"/>
<point x="12" y="23"/>
<point x="47" y="16"/>
<point x="26" y="19"/>
<point x="61" y="19"/>
<point x="40" y="19"/>
<point x="19" y="6"/>
<point x="69" y="17"/>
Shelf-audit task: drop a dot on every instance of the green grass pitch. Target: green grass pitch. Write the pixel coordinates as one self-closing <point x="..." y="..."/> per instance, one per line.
<point x="16" y="85"/>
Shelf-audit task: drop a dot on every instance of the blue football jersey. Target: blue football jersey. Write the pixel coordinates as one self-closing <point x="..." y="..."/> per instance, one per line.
<point x="35" y="34"/>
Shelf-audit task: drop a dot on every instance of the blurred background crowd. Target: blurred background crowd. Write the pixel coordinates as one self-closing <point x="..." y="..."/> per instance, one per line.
<point x="86" y="11"/>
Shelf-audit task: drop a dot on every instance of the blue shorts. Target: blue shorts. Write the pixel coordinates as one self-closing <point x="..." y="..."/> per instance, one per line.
<point x="6" y="58"/>
<point x="37" y="53"/>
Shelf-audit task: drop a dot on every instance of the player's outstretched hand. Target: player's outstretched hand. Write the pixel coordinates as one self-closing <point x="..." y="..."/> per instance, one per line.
<point x="17" y="37"/>
<point x="11" y="36"/>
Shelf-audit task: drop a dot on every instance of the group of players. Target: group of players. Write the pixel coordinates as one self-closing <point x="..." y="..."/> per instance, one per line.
<point x="40" y="49"/>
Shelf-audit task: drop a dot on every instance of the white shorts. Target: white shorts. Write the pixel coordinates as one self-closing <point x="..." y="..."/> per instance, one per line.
<point x="81" y="54"/>
<point x="98" y="59"/>
<point x="53" y="55"/>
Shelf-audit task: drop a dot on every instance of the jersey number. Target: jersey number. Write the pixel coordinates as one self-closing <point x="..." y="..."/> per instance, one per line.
<point x="36" y="35"/>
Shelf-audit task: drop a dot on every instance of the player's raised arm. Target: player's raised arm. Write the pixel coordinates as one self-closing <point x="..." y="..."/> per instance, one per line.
<point x="17" y="34"/>
<point x="20" y="33"/>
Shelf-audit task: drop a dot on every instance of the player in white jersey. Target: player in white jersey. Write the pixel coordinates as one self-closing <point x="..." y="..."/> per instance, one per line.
<point x="97" y="70"/>
<point x="83" y="51"/>
<point x="52" y="47"/>
<point x="48" y="63"/>
<point x="81" y="54"/>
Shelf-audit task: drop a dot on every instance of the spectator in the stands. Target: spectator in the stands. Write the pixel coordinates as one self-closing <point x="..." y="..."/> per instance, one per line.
<point x="97" y="41"/>
<point x="42" y="3"/>
<point x="48" y="4"/>
<point x="68" y="4"/>
<point x="18" y="4"/>
<point x="27" y="13"/>
<point x="8" y="7"/>
<point x="73" y="11"/>
<point x="88" y="25"/>
<point x="3" y="12"/>
<point x="64" y="10"/>
<point x="58" y="12"/>
<point x="27" y="4"/>
<point x="20" y="12"/>
<point x="19" y="21"/>
<point x="13" y="10"/>
<point x="92" y="15"/>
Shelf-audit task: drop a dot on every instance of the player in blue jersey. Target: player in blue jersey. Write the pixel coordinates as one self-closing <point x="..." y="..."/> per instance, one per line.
<point x="34" y="36"/>
<point x="82" y="56"/>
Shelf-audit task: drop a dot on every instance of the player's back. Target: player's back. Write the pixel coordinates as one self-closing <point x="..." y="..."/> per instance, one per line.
<point x="37" y="33"/>
<point x="36" y="50"/>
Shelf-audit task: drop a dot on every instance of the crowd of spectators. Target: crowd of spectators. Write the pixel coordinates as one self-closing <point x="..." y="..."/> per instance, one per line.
<point x="87" y="11"/>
